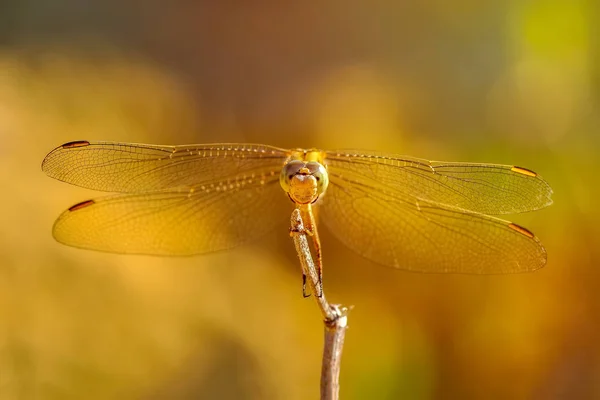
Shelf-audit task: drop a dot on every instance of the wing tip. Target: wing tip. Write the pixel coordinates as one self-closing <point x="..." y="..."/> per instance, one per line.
<point x="545" y="194"/>
<point x="542" y="258"/>
<point x="64" y="146"/>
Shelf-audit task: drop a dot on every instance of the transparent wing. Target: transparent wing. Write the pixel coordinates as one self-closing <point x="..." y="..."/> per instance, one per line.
<point x="131" y="168"/>
<point x="484" y="188"/>
<point x="174" y="222"/>
<point x="404" y="232"/>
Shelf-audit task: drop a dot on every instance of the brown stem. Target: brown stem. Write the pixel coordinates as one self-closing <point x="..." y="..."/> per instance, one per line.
<point x="335" y="316"/>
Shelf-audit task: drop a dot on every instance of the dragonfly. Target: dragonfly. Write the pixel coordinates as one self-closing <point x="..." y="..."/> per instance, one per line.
<point x="403" y="212"/>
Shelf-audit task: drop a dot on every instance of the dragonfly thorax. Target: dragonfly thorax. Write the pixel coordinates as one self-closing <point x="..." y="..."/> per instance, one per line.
<point x="303" y="181"/>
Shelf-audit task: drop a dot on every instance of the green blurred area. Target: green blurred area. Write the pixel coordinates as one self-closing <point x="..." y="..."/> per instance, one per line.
<point x="503" y="82"/>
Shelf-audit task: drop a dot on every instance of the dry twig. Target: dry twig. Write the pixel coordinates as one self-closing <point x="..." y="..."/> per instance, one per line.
<point x="335" y="316"/>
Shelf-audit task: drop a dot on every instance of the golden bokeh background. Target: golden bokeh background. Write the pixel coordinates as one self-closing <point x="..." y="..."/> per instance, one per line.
<point x="515" y="82"/>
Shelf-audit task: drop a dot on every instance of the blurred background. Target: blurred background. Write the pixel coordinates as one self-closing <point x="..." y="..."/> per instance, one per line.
<point x="515" y="82"/>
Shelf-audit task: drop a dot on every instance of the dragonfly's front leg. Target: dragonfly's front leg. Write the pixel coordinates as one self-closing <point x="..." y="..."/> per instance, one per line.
<point x="295" y="231"/>
<point x="311" y="228"/>
<point x="304" y="294"/>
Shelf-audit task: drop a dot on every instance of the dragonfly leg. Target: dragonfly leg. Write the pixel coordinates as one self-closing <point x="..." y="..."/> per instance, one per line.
<point x="319" y="265"/>
<point x="314" y="233"/>
<point x="304" y="294"/>
<point x="295" y="231"/>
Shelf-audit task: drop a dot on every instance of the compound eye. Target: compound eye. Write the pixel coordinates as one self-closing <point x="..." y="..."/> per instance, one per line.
<point x="320" y="173"/>
<point x="288" y="171"/>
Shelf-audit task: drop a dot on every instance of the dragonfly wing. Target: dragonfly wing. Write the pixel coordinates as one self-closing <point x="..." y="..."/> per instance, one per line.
<point x="491" y="189"/>
<point x="131" y="168"/>
<point x="419" y="235"/>
<point x="173" y="222"/>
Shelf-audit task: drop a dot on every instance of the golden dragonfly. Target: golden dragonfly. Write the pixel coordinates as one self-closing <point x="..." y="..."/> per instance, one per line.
<point x="405" y="212"/>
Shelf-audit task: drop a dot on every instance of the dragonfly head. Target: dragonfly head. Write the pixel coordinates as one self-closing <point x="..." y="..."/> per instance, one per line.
<point x="304" y="181"/>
